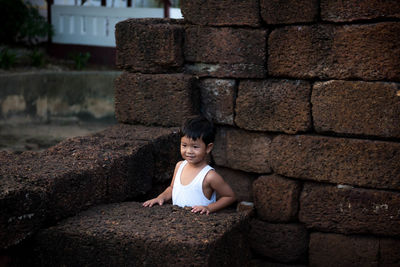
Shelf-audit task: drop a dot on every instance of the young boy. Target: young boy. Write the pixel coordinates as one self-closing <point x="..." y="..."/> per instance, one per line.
<point x="195" y="183"/>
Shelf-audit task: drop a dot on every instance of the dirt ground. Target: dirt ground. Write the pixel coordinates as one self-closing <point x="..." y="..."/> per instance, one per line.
<point x="35" y="137"/>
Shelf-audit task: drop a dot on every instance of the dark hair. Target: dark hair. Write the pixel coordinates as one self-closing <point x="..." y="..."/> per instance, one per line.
<point x="199" y="127"/>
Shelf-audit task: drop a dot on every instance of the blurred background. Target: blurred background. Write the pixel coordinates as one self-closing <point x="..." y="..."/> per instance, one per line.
<point x="57" y="66"/>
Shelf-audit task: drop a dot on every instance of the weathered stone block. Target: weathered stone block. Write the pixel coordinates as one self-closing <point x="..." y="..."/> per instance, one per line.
<point x="150" y="99"/>
<point x="23" y="208"/>
<point x="240" y="182"/>
<point x="280" y="242"/>
<point x="113" y="165"/>
<point x="365" y="163"/>
<point x="241" y="150"/>
<point x="217" y="99"/>
<point x="269" y="263"/>
<point x="368" y="52"/>
<point x="222" y="13"/>
<point x="343" y="11"/>
<point x="350" y="210"/>
<point x="276" y="198"/>
<point x="243" y="48"/>
<point x="149" y="45"/>
<point x="226" y="70"/>
<point x="362" y="108"/>
<point x="286" y="12"/>
<point x="274" y="105"/>
<point x="389" y="252"/>
<point x="339" y="250"/>
<point x="127" y="233"/>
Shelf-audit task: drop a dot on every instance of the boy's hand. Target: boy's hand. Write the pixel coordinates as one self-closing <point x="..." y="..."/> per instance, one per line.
<point x="151" y="202"/>
<point x="201" y="209"/>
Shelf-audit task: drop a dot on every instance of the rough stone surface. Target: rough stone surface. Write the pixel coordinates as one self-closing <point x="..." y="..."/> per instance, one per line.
<point x="117" y="234"/>
<point x="276" y="198"/>
<point x="350" y="210"/>
<point x="226" y="46"/>
<point x="389" y="252"/>
<point x="361" y="108"/>
<point x="367" y="52"/>
<point x="22" y="208"/>
<point x="343" y="11"/>
<point x="217" y="99"/>
<point x="265" y="263"/>
<point x="113" y="165"/>
<point x="155" y="99"/>
<point x="226" y="70"/>
<point x="241" y="150"/>
<point x="240" y="182"/>
<point x="222" y="13"/>
<point x="149" y="45"/>
<point x="366" y="163"/>
<point x="281" y="242"/>
<point x="339" y="250"/>
<point x="286" y="12"/>
<point x="274" y="105"/>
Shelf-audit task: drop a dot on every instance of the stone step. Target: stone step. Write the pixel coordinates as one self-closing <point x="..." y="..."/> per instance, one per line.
<point x="119" y="163"/>
<point x="127" y="234"/>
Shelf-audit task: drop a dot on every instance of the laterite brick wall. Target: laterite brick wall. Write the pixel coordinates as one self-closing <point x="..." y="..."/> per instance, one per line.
<point x="306" y="96"/>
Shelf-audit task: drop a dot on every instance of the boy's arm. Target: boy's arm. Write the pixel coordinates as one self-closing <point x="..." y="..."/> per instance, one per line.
<point x="227" y="196"/>
<point x="164" y="196"/>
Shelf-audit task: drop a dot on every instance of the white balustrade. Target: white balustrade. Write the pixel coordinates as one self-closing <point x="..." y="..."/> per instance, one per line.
<point x="93" y="25"/>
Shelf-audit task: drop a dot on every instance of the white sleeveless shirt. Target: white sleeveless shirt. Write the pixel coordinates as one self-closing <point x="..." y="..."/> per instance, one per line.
<point x="192" y="194"/>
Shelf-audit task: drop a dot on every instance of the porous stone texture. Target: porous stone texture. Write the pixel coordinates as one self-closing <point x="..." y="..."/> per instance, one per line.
<point x="280" y="242"/>
<point x="274" y="105"/>
<point x="167" y="235"/>
<point x="221" y="70"/>
<point x="265" y="263"/>
<point x="155" y="99"/>
<point x="366" y="163"/>
<point x="217" y="99"/>
<point x="113" y="165"/>
<point x="350" y="210"/>
<point x="389" y="252"/>
<point x="230" y="46"/>
<point x="241" y="150"/>
<point x="23" y="207"/>
<point x="367" y="52"/>
<point x="221" y="13"/>
<point x="149" y="45"/>
<point x="240" y="182"/>
<point x="276" y="198"/>
<point x="361" y="108"/>
<point x="347" y="11"/>
<point x="287" y="12"/>
<point x="339" y="250"/>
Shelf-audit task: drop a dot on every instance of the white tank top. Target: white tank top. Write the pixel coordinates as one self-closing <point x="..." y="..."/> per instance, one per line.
<point x="192" y="194"/>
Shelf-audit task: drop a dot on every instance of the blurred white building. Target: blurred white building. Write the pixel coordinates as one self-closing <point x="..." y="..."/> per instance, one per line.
<point x="86" y="25"/>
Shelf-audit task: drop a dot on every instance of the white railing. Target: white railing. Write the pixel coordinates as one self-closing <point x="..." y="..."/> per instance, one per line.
<point x="92" y="25"/>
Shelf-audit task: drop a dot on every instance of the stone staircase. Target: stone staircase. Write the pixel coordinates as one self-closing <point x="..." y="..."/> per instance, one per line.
<point x="43" y="193"/>
<point x="127" y="234"/>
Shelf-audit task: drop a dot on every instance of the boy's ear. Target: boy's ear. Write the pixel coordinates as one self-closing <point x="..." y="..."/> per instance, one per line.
<point x="209" y="147"/>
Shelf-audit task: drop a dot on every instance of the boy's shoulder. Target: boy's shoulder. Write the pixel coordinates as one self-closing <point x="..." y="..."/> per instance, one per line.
<point x="212" y="175"/>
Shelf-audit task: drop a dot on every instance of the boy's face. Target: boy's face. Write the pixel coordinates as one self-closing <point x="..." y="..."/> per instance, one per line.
<point x="194" y="151"/>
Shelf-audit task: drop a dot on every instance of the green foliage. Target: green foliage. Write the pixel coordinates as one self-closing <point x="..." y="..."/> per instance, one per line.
<point x="22" y="23"/>
<point x="80" y="60"/>
<point x="37" y="58"/>
<point x="7" y="59"/>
